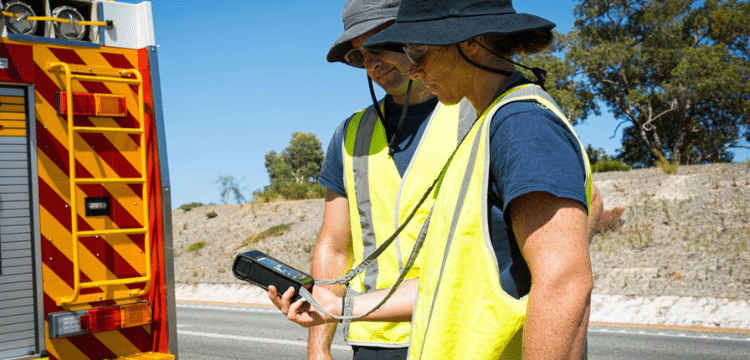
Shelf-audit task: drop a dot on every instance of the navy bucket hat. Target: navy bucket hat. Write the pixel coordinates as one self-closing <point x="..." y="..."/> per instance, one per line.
<point x="446" y="22"/>
<point x="361" y="16"/>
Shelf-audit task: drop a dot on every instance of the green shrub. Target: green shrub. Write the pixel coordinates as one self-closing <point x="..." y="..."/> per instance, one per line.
<point x="266" y="195"/>
<point x="669" y="167"/>
<point x="212" y="215"/>
<point x="289" y="191"/>
<point x="270" y="232"/>
<point x="197" y="246"/>
<point x="316" y="191"/>
<point x="191" y="206"/>
<point x="609" y="165"/>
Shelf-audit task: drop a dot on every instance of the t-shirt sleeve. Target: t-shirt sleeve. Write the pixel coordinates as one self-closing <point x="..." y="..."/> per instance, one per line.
<point x="332" y="171"/>
<point x="533" y="150"/>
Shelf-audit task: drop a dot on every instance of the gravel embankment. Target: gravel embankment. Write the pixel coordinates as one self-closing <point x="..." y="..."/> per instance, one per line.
<point x="681" y="236"/>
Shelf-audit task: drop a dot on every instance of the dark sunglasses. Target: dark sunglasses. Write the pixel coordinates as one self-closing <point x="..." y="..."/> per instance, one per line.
<point x="415" y="53"/>
<point x="356" y="57"/>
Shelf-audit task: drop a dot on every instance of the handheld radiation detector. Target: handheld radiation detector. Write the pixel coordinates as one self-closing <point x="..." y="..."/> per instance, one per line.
<point x="262" y="270"/>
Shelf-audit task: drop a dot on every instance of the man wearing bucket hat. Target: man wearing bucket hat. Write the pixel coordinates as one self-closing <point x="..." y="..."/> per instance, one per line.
<point x="375" y="172"/>
<point x="505" y="271"/>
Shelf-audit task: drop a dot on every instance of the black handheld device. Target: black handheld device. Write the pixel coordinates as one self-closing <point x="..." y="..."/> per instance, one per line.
<point x="262" y="270"/>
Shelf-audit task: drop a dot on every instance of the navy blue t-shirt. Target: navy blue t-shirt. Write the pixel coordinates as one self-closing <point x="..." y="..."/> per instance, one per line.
<point x="531" y="149"/>
<point x="407" y="140"/>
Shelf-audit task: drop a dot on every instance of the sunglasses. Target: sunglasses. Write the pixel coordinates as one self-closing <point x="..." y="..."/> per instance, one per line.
<point x="415" y="53"/>
<point x="356" y="57"/>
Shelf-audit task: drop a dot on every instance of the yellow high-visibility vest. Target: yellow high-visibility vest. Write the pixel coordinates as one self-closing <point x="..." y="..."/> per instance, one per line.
<point x="380" y="200"/>
<point x="462" y="311"/>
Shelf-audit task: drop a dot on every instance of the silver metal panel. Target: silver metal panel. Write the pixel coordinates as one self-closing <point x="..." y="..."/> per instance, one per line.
<point x="12" y="156"/>
<point x="16" y="237"/>
<point x="21" y="310"/>
<point x="14" y="279"/>
<point x="8" y="205"/>
<point x="9" y="230"/>
<point x="14" y="165"/>
<point x="17" y="319"/>
<point x="16" y="148"/>
<point x="21" y="313"/>
<point x="10" y="221"/>
<point x="166" y="200"/>
<point x="15" y="245"/>
<point x="15" y="213"/>
<point x="13" y="270"/>
<point x="15" y="197"/>
<point x="14" y="287"/>
<point x="10" y="177"/>
<point x="18" y="258"/>
<point x="21" y="326"/>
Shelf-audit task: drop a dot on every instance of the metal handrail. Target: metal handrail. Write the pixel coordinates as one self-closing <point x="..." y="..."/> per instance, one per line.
<point x="108" y="24"/>
<point x="77" y="284"/>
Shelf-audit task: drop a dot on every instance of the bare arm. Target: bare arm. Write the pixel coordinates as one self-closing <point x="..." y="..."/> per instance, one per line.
<point x="398" y="307"/>
<point x="331" y="259"/>
<point x="551" y="234"/>
<point x="595" y="212"/>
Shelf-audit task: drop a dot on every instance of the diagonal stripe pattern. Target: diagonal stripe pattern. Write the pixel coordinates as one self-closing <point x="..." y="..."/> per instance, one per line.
<point x="97" y="155"/>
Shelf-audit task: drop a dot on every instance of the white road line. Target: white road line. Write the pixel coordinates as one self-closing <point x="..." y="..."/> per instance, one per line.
<point x="256" y="339"/>
<point x="229" y="308"/>
<point x="680" y="335"/>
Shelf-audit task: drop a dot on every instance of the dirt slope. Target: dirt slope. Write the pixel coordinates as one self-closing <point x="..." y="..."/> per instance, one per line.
<point x="684" y="234"/>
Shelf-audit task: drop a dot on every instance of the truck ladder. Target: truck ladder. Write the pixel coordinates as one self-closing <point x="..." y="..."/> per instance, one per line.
<point x="112" y="76"/>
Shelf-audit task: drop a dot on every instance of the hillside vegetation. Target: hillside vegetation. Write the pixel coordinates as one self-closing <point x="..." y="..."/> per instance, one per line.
<point x="682" y="234"/>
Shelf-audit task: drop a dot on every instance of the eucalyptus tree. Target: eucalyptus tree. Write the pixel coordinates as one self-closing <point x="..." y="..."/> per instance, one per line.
<point x="674" y="72"/>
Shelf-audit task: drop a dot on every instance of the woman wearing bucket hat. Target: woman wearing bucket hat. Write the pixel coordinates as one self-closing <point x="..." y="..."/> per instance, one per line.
<point x="407" y="135"/>
<point x="505" y="271"/>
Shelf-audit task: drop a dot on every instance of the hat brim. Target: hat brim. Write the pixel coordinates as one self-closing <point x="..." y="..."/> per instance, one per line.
<point x="453" y="30"/>
<point x="343" y="44"/>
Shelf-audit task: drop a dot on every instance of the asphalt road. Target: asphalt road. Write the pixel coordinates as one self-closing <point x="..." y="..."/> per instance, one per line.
<point x="212" y="332"/>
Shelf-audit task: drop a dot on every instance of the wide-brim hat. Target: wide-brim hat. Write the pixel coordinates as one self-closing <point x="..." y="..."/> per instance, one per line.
<point x="360" y="17"/>
<point x="446" y="22"/>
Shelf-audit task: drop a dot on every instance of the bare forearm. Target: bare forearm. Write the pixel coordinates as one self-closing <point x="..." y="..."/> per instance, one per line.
<point x="399" y="306"/>
<point x="331" y="259"/>
<point x="327" y="264"/>
<point x="557" y="319"/>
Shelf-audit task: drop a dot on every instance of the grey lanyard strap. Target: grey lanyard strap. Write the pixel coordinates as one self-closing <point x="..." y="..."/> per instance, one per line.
<point x="414" y="252"/>
<point x="514" y="96"/>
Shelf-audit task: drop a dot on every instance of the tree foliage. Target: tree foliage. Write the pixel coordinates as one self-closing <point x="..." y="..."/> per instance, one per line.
<point x="293" y="172"/>
<point x="230" y="188"/>
<point x="563" y="80"/>
<point x="674" y="72"/>
<point x="299" y="162"/>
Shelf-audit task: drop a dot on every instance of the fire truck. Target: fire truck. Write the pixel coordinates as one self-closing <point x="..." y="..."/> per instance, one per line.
<point x="86" y="265"/>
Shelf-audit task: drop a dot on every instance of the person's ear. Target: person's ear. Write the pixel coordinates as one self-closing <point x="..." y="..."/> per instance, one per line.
<point x="470" y="47"/>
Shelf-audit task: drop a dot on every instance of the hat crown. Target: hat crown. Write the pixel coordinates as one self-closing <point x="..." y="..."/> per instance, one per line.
<point x="359" y="11"/>
<point x="420" y="10"/>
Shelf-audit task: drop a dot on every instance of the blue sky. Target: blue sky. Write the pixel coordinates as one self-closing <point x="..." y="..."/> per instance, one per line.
<point x="239" y="77"/>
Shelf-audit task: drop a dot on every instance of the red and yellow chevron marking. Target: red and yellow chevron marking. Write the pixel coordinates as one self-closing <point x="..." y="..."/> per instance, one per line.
<point x="97" y="155"/>
<point x="12" y="116"/>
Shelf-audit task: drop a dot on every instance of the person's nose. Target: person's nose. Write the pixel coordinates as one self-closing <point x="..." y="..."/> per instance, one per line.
<point x="372" y="61"/>
<point x="415" y="73"/>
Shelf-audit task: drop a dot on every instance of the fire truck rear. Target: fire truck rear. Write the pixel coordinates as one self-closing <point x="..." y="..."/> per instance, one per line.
<point x="86" y="266"/>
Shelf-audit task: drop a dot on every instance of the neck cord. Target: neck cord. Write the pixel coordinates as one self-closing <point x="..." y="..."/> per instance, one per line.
<point x="404" y="109"/>
<point x="541" y="74"/>
<point x="370" y="259"/>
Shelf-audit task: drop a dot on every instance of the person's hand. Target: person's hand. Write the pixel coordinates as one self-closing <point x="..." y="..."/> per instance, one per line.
<point x="300" y="311"/>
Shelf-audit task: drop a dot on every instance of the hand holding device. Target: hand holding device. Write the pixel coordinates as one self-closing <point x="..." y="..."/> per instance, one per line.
<point x="262" y="270"/>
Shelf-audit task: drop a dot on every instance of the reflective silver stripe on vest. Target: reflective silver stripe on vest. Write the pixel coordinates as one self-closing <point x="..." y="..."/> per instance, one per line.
<point x="362" y="191"/>
<point x="466" y="117"/>
<point x="454" y="223"/>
